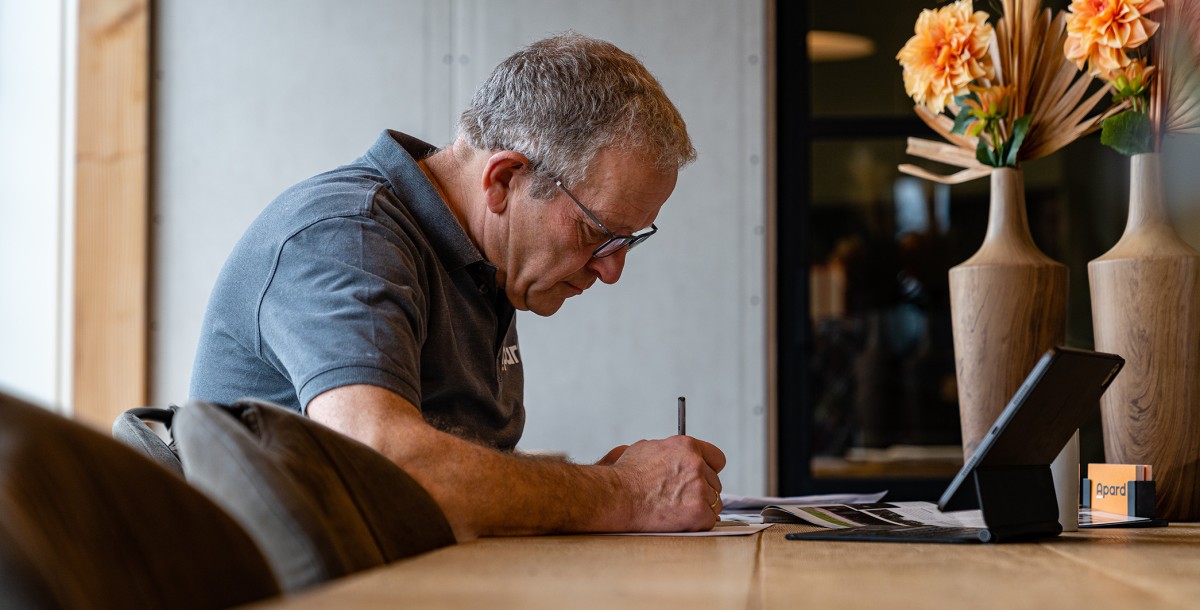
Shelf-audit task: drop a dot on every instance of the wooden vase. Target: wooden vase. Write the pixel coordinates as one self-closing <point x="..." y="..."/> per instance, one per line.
<point x="1146" y="308"/>
<point x="1008" y="305"/>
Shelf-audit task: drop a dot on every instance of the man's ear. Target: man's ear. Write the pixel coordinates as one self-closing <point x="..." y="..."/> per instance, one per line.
<point x="499" y="175"/>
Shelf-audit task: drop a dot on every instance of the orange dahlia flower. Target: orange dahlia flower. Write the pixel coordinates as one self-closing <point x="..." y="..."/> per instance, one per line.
<point x="948" y="50"/>
<point x="1099" y="32"/>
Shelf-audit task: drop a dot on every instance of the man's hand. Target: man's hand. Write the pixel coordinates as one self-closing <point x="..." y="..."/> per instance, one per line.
<point x="673" y="483"/>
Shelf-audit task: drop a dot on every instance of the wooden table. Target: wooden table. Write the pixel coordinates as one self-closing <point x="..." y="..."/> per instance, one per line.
<point x="1114" y="568"/>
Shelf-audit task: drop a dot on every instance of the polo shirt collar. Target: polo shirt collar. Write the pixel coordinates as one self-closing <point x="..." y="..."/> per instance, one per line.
<point x="395" y="155"/>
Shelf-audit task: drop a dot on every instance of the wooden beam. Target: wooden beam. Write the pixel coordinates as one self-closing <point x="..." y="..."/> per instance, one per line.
<point x="112" y="209"/>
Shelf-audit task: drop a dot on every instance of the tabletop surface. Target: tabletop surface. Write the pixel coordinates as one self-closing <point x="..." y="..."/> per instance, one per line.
<point x="1099" y="568"/>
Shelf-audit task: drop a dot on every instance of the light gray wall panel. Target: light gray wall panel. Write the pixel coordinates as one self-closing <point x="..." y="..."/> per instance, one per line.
<point x="253" y="96"/>
<point x="687" y="317"/>
<point x="256" y="95"/>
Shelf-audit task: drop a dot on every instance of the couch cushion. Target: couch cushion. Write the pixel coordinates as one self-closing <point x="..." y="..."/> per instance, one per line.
<point x="320" y="504"/>
<point x="86" y="522"/>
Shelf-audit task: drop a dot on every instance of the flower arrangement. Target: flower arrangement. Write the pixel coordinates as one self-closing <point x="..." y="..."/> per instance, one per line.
<point x="997" y="95"/>
<point x="1159" y="82"/>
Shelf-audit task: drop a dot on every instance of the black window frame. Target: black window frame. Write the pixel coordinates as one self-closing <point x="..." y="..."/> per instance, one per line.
<point x="797" y="130"/>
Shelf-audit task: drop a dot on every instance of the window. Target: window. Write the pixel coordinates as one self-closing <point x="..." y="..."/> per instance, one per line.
<point x="867" y="394"/>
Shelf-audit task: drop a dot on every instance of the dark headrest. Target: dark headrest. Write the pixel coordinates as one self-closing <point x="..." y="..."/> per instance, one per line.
<point x="130" y="428"/>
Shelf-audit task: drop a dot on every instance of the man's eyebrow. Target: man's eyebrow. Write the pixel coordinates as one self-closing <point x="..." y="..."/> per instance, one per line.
<point x="616" y="228"/>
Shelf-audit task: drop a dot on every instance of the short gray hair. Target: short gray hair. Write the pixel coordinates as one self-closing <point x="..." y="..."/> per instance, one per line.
<point x="561" y="100"/>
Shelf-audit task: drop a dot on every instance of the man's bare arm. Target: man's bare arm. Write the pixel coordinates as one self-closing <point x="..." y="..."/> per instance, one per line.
<point x="667" y="485"/>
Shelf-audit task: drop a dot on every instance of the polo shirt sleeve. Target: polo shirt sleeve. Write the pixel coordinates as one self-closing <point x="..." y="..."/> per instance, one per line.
<point x="345" y="305"/>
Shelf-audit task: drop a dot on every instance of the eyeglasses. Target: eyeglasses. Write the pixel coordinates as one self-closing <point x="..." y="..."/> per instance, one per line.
<point x="615" y="242"/>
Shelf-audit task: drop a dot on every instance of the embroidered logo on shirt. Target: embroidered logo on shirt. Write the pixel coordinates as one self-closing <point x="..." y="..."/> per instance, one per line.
<point x="506" y="357"/>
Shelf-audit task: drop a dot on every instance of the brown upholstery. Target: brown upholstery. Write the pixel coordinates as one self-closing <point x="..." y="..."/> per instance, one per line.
<point x="319" y="504"/>
<point x="86" y="522"/>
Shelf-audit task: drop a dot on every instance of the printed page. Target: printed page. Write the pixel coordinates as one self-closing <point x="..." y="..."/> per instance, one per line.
<point x="913" y="514"/>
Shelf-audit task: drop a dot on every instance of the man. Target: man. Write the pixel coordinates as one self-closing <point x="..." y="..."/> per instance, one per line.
<point x="379" y="297"/>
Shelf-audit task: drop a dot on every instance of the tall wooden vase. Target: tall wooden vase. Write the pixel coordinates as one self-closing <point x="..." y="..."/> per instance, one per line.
<point x="1008" y="305"/>
<point x="1146" y="308"/>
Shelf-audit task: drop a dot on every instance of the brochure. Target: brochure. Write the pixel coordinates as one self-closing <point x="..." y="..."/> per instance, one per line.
<point x="913" y="514"/>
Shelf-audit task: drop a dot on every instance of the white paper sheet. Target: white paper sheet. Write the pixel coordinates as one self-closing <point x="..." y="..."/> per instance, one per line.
<point x="723" y="528"/>
<point x="731" y="502"/>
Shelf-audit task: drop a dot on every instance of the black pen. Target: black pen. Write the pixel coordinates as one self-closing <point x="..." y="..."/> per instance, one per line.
<point x="682" y="416"/>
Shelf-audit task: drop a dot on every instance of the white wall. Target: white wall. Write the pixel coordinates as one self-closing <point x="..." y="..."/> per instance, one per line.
<point x="36" y="87"/>
<point x="253" y="96"/>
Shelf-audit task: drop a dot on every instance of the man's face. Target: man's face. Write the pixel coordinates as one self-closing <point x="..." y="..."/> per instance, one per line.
<point x="550" y="241"/>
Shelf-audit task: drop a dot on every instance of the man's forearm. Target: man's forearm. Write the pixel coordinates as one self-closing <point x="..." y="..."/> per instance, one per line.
<point x="668" y="485"/>
<point x="495" y="494"/>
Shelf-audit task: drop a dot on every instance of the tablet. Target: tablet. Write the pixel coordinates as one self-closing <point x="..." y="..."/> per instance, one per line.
<point x="1056" y="399"/>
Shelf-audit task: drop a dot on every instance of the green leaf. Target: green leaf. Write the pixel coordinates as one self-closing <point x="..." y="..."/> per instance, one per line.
<point x="1128" y="133"/>
<point x="983" y="153"/>
<point x="959" y="100"/>
<point x="1020" y="128"/>
<point x="962" y="121"/>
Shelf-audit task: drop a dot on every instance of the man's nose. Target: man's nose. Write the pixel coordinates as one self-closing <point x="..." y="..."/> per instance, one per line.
<point x="609" y="268"/>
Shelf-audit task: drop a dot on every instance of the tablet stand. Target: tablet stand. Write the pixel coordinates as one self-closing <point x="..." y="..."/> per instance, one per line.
<point x="1016" y="501"/>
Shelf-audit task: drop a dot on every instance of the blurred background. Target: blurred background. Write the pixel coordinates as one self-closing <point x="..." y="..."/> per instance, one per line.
<point x="867" y="386"/>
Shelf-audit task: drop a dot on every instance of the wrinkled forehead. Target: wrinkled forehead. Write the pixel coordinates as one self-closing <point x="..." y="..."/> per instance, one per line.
<point x="626" y="191"/>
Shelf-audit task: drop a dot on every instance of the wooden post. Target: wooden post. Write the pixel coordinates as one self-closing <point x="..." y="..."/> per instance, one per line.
<point x="111" y="199"/>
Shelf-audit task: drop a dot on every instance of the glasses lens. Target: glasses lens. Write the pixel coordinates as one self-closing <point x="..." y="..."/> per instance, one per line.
<point x="637" y="239"/>
<point x="612" y="246"/>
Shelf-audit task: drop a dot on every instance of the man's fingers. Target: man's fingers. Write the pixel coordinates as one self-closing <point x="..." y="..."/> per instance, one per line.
<point x="612" y="456"/>
<point x="714" y="481"/>
<point x="714" y="457"/>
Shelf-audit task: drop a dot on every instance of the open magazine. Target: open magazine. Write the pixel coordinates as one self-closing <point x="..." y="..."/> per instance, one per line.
<point x="836" y="516"/>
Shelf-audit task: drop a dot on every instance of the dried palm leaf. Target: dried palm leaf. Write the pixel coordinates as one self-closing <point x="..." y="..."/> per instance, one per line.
<point x="959" y="152"/>
<point x="965" y="175"/>
<point x="942" y="152"/>
<point x="1175" y="106"/>
<point x="942" y="124"/>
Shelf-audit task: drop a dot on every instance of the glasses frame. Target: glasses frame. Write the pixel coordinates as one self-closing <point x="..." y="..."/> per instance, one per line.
<point x="626" y="241"/>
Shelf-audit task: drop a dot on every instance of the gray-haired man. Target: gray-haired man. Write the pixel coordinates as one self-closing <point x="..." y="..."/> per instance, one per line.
<point x="379" y="297"/>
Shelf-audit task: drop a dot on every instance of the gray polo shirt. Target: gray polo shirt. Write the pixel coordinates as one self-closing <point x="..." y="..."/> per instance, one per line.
<point x="361" y="275"/>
